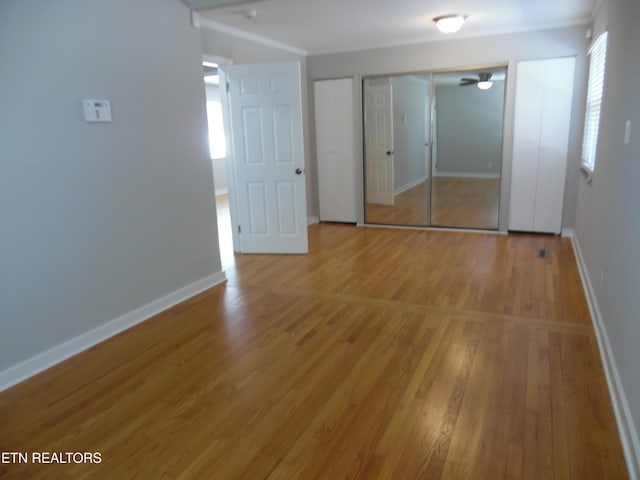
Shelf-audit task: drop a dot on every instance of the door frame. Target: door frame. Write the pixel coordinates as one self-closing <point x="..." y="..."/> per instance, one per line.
<point x="221" y="61"/>
<point x="230" y="170"/>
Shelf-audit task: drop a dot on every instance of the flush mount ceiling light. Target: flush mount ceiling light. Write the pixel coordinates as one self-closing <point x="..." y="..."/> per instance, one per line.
<point x="449" y="23"/>
<point x="250" y="14"/>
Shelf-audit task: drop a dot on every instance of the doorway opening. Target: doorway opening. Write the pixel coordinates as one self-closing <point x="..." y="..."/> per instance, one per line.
<point x="218" y="154"/>
<point x="264" y="176"/>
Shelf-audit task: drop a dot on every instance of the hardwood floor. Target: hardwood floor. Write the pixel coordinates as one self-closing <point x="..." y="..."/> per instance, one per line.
<point x="457" y="202"/>
<point x="381" y="354"/>
<point x="465" y="202"/>
<point x="225" y="240"/>
<point x="409" y="208"/>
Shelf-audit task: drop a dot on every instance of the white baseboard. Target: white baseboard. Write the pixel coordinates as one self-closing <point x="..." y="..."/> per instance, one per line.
<point x="410" y="185"/>
<point x="467" y="175"/>
<point x="312" y="220"/>
<point x="567" y="233"/>
<point x="59" y="353"/>
<point x="624" y="420"/>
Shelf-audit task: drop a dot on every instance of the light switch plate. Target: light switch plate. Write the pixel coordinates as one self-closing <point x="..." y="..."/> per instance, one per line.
<point x="627" y="132"/>
<point x="96" y="110"/>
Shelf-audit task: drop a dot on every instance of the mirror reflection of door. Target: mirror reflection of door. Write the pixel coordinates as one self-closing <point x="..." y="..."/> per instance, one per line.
<point x="468" y="124"/>
<point x="439" y="148"/>
<point x="378" y="105"/>
<point x="396" y="149"/>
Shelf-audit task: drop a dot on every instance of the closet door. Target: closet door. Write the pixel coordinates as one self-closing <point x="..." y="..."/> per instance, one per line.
<point x="335" y="149"/>
<point x="554" y="144"/>
<point x="544" y="91"/>
<point x="526" y="140"/>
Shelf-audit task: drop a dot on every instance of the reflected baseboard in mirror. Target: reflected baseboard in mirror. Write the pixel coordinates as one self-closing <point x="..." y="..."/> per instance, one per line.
<point x="459" y="202"/>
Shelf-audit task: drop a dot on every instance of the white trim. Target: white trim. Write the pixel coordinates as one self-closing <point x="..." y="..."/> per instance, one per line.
<point x="312" y="220"/>
<point x="432" y="229"/>
<point x="230" y="166"/>
<point x="222" y="191"/>
<point x="410" y="185"/>
<point x="624" y="420"/>
<point x="236" y="32"/>
<point x="217" y="59"/>
<point x="567" y="233"/>
<point x="34" y="365"/>
<point x="467" y="175"/>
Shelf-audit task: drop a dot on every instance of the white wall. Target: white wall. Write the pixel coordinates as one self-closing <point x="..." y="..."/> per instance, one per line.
<point x="98" y="219"/>
<point x="607" y="217"/>
<point x="491" y="50"/>
<point x="469" y="129"/>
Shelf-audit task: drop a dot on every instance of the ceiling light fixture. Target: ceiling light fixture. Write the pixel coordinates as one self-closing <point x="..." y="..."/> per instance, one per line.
<point x="250" y="14"/>
<point x="449" y="23"/>
<point x="485" y="85"/>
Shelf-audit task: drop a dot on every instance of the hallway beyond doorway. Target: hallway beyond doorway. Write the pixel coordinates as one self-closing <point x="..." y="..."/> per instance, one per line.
<point x="225" y="236"/>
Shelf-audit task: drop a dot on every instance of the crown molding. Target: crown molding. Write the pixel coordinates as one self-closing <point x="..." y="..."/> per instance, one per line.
<point x="236" y="32"/>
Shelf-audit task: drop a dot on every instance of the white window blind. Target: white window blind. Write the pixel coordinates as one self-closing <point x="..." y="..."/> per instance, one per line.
<point x="595" y="89"/>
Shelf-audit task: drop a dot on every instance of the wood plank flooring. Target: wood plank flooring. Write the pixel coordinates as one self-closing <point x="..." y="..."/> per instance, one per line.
<point x="457" y="202"/>
<point x="465" y="202"/>
<point x="383" y="354"/>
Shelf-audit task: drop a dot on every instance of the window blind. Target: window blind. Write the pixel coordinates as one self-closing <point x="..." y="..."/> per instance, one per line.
<point x="595" y="89"/>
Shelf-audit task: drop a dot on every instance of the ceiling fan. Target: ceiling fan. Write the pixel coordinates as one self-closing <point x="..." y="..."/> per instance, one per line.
<point x="483" y="81"/>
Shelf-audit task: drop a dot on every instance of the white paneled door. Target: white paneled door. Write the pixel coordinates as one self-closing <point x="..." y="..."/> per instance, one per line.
<point x="265" y="122"/>
<point x="379" y="141"/>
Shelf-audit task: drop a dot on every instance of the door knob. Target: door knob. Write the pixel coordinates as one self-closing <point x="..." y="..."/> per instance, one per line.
<point x="298" y="171"/>
<point x="389" y="152"/>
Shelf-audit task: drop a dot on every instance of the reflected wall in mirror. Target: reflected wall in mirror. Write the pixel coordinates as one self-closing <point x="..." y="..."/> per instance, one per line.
<point x="433" y="156"/>
<point x="396" y="137"/>
<point x="467" y="150"/>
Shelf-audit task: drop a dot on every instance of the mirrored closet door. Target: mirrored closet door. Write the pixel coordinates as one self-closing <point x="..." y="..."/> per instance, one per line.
<point x="433" y="148"/>
<point x="396" y="148"/>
